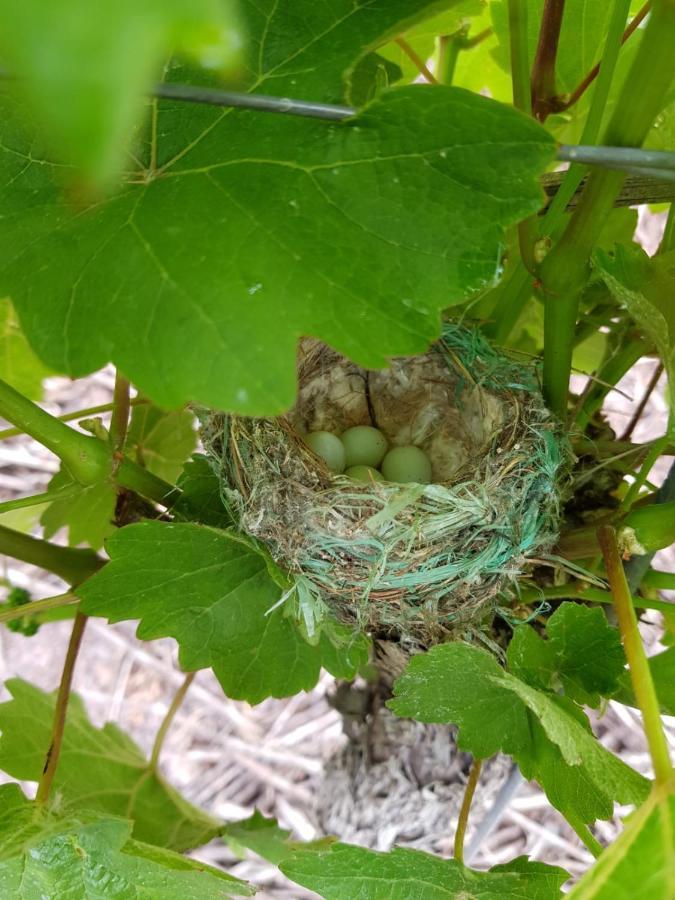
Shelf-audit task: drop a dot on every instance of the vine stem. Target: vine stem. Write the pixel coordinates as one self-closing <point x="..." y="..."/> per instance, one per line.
<point x="640" y="674"/>
<point x="580" y="591"/>
<point x="119" y="420"/>
<point x="72" y="564"/>
<point x="586" y="82"/>
<point x="633" y="491"/>
<point x="583" y="832"/>
<point x="54" y="750"/>
<point x="38" y="606"/>
<point x="463" y="820"/>
<point x="543" y="82"/>
<point x="78" y="414"/>
<point x="163" y="729"/>
<point x="565" y="270"/>
<point x="88" y="459"/>
<point x="520" y="62"/>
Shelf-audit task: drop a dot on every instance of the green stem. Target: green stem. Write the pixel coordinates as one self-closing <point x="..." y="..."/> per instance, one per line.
<point x="668" y="239"/>
<point x="583" y="832"/>
<point x="610" y="373"/>
<point x="463" y="820"/>
<point x="87" y="459"/>
<point x="54" y="750"/>
<point x="578" y="590"/>
<point x="39" y="499"/>
<point x="640" y="674"/>
<point x="168" y="719"/>
<point x="555" y="214"/>
<point x="565" y="270"/>
<point x="655" y="451"/>
<point x="120" y="413"/>
<point x="71" y="564"/>
<point x="660" y="581"/>
<point x="520" y="62"/>
<point x="514" y="293"/>
<point x="78" y="414"/>
<point x="37" y="606"/>
<point x="449" y="47"/>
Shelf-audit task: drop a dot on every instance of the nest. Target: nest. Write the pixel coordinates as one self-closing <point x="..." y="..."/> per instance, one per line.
<point x="408" y="562"/>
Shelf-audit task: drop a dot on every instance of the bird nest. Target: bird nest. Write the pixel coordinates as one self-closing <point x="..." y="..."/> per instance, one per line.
<point x="410" y="562"/>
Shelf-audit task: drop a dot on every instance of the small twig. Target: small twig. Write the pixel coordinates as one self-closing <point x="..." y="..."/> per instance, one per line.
<point x="37" y="606"/>
<point x="463" y="820"/>
<point x="542" y="82"/>
<point x="179" y="696"/>
<point x="119" y="420"/>
<point x="635" y="418"/>
<point x="52" y="757"/>
<point x="640" y="674"/>
<point x="416" y="60"/>
<point x="586" y="82"/>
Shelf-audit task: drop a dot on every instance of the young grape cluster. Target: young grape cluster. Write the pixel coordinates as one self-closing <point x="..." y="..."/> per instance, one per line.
<point x="363" y="453"/>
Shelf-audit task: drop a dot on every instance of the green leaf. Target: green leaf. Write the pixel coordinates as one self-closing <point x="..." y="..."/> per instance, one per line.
<point x="640" y="864"/>
<point x="161" y="441"/>
<point x="306" y="49"/>
<point x="100" y="769"/>
<point x="583" y="655"/>
<point x="345" y="872"/>
<point x="645" y="286"/>
<point x="249" y="216"/>
<point x="212" y="592"/>
<point x="264" y="837"/>
<point x="547" y="735"/>
<point x="19" y="366"/>
<point x="85" y="67"/>
<point x="201" y="494"/>
<point x="86" y="858"/>
<point x="87" y="511"/>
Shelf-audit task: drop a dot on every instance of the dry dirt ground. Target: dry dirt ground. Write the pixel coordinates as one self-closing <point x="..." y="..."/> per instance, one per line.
<point x="229" y="757"/>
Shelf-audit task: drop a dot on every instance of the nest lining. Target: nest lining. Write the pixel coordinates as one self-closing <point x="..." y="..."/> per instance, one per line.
<point x="412" y="562"/>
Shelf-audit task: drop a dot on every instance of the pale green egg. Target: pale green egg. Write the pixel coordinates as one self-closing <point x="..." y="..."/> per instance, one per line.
<point x="366" y="474"/>
<point x="364" y="446"/>
<point x="406" y="465"/>
<point x="329" y="447"/>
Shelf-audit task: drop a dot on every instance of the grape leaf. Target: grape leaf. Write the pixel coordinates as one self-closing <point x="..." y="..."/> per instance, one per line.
<point x="200" y="497"/>
<point x="582" y="657"/>
<point x="82" y="857"/>
<point x="85" y="67"/>
<point x="212" y="592"/>
<point x="87" y="511"/>
<point x="640" y="864"/>
<point x="344" y="872"/>
<point x="248" y="215"/>
<point x="547" y="735"/>
<point x="19" y="366"/>
<point x="264" y="837"/>
<point x="306" y="49"/>
<point x="161" y="441"/>
<point x="100" y="769"/>
<point x="645" y="286"/>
